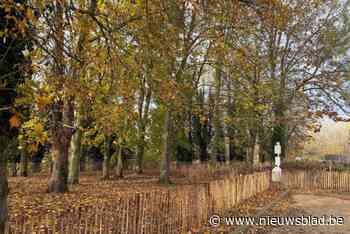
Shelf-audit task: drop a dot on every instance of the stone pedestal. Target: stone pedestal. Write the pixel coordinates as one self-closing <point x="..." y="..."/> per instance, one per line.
<point x="276" y="174"/>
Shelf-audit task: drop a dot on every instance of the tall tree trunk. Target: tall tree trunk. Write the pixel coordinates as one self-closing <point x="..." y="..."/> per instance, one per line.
<point x="166" y="154"/>
<point x="59" y="174"/>
<point x="141" y="130"/>
<point x="121" y="140"/>
<point x="62" y="112"/>
<point x="227" y="150"/>
<point x="107" y="157"/>
<point x="60" y="149"/>
<point x="140" y="151"/>
<point x="119" y="168"/>
<point x="140" y="147"/>
<point x="218" y="131"/>
<point x="228" y="129"/>
<point x="256" y="156"/>
<point x="74" y="165"/>
<point x="74" y="161"/>
<point x="251" y="146"/>
<point x="3" y="185"/>
<point x="24" y="164"/>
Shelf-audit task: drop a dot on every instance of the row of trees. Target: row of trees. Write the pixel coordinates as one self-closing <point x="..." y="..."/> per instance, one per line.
<point x="209" y="80"/>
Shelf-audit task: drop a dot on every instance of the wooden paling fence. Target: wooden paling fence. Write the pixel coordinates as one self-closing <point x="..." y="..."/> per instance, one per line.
<point x="310" y="180"/>
<point x="204" y="171"/>
<point x="174" y="210"/>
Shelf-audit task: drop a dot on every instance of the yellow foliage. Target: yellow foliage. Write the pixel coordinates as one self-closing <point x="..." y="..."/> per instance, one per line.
<point x="43" y="101"/>
<point x="38" y="128"/>
<point x="32" y="134"/>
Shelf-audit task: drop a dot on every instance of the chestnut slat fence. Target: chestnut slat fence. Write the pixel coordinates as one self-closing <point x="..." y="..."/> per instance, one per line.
<point x="203" y="171"/>
<point x="313" y="180"/>
<point x="174" y="210"/>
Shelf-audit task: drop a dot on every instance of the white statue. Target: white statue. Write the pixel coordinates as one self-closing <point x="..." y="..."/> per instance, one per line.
<point x="277" y="171"/>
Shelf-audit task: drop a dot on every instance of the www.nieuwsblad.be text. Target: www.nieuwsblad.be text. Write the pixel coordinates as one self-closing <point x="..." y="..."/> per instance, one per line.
<point x="216" y="220"/>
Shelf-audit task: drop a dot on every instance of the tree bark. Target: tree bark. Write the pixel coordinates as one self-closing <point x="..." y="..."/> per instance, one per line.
<point x="166" y="157"/>
<point x="74" y="165"/>
<point x="119" y="168"/>
<point x="227" y="150"/>
<point x="3" y="185"/>
<point x="74" y="161"/>
<point x="107" y="157"/>
<point x="140" y="151"/>
<point x="140" y="148"/>
<point x="218" y="131"/>
<point x="59" y="174"/>
<point x="251" y="146"/>
<point x="24" y="164"/>
<point x="256" y="156"/>
<point x="60" y="149"/>
<point x="143" y="119"/>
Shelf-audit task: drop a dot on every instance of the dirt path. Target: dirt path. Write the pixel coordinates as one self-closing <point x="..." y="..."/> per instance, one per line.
<point x="315" y="205"/>
<point x="319" y="205"/>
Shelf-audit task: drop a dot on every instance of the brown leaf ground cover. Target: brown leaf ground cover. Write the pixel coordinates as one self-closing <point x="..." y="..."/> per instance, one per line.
<point x="28" y="196"/>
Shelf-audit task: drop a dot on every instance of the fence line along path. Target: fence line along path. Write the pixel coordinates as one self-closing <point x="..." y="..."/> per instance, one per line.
<point x="175" y="210"/>
<point x="311" y="180"/>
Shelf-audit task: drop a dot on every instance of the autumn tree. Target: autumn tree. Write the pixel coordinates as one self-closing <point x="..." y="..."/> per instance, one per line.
<point x="302" y="47"/>
<point x="12" y="72"/>
<point x="76" y="31"/>
<point x="52" y="23"/>
<point x="297" y="80"/>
